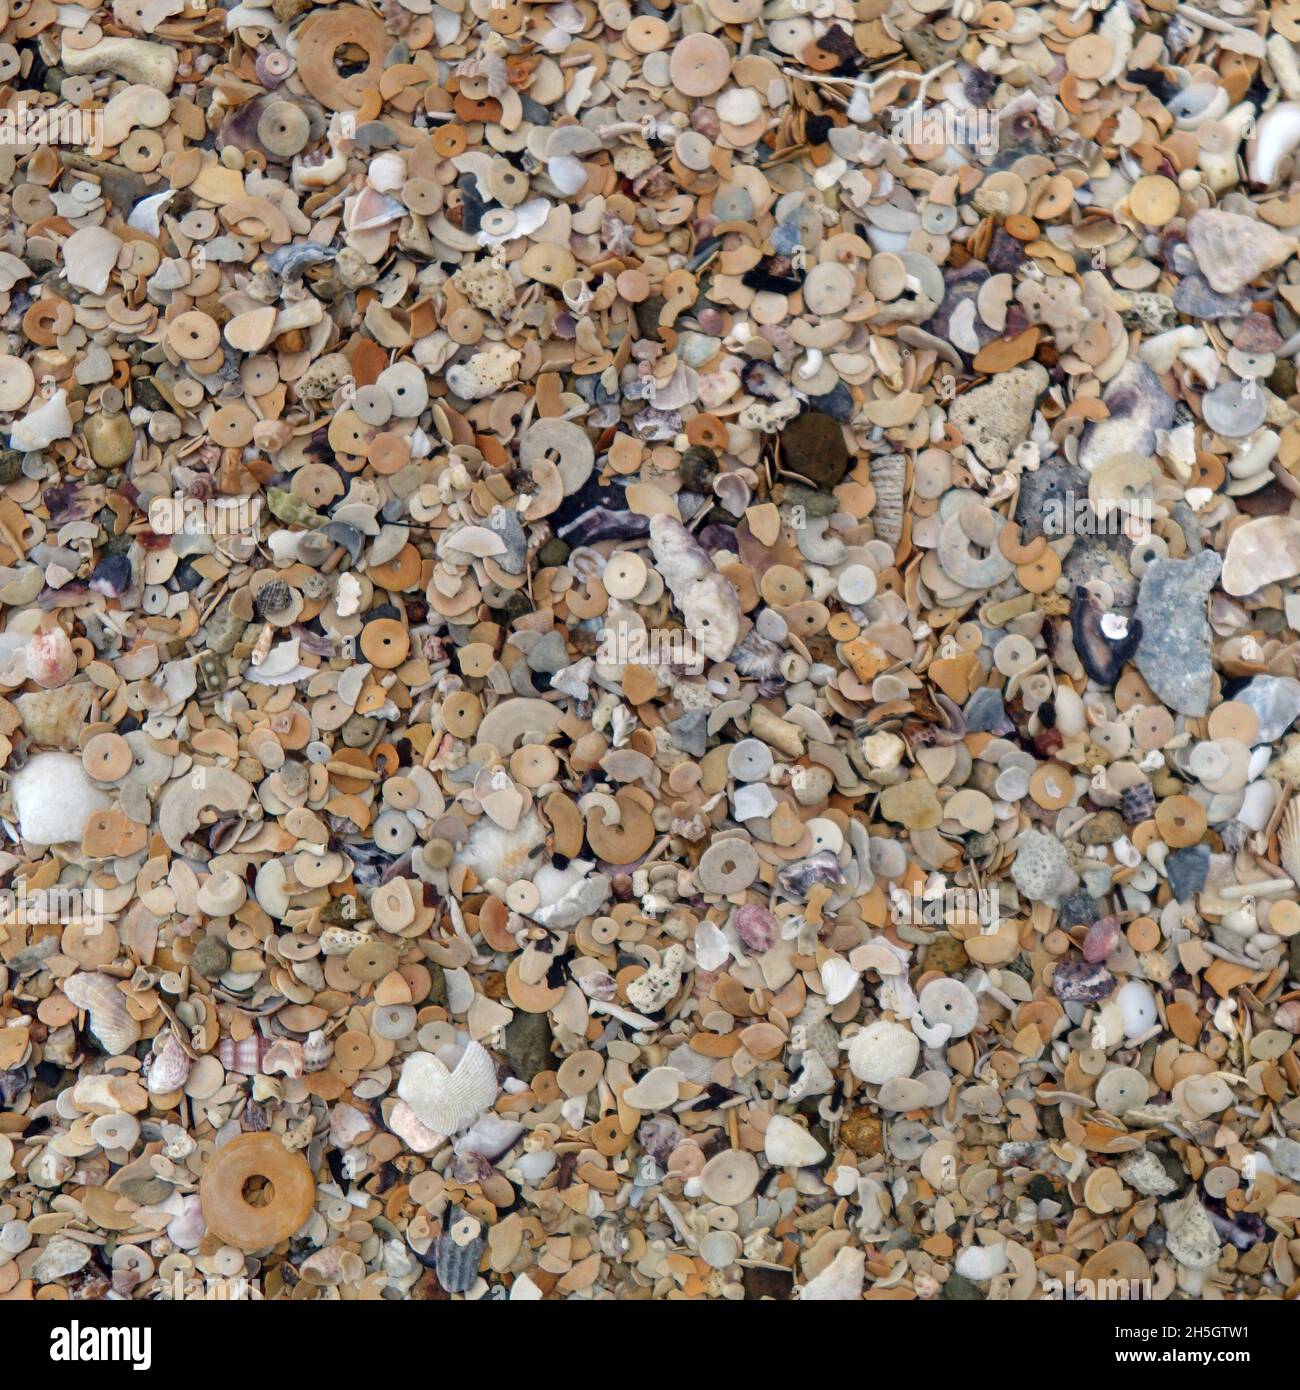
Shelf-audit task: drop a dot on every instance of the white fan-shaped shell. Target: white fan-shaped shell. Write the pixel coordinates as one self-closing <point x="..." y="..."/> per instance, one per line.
<point x="110" y="1021"/>
<point x="449" y="1101"/>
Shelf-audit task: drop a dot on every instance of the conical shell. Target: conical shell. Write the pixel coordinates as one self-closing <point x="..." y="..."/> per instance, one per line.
<point x="110" y="1022"/>
<point x="1288" y="840"/>
<point x="449" y="1101"/>
<point x="317" y="1050"/>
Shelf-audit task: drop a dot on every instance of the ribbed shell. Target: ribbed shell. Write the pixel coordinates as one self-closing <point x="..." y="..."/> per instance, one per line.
<point x="458" y="1251"/>
<point x="111" y="1023"/>
<point x="245" y="1056"/>
<point x="1288" y="840"/>
<point x="889" y="478"/>
<point x="449" y="1101"/>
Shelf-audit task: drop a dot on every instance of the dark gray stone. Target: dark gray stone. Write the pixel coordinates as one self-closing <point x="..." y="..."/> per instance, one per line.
<point x="1187" y="871"/>
<point x="527" y="1040"/>
<point x="985" y="712"/>
<point x="1174" y="654"/>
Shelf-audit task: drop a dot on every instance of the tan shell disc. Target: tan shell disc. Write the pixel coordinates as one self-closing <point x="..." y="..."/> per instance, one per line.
<point x="699" y="65"/>
<point x="321" y="36"/>
<point x="231" y="1217"/>
<point x="107" y="757"/>
<point x="283" y="128"/>
<point x="17" y="382"/>
<point x="193" y="335"/>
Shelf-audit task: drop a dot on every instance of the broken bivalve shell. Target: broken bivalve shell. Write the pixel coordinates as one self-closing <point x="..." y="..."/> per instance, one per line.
<point x="444" y="1100"/>
<point x="110" y="1020"/>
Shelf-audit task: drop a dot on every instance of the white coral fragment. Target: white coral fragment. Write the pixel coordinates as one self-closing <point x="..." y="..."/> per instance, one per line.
<point x="707" y="600"/>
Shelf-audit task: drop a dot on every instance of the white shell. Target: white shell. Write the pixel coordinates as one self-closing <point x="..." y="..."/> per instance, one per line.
<point x="48" y="422"/>
<point x="951" y="1003"/>
<point x="840" y="1281"/>
<point x="449" y="1101"/>
<point x="54" y="799"/>
<point x="839" y="979"/>
<point x="981" y="1262"/>
<point x="789" y="1145"/>
<point x="1138" y="1006"/>
<point x="711" y="612"/>
<point x="707" y="600"/>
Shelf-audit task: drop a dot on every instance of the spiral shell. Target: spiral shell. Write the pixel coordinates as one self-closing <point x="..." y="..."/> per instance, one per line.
<point x="110" y="1021"/>
<point x="449" y="1101"/>
<point x="170" y="1068"/>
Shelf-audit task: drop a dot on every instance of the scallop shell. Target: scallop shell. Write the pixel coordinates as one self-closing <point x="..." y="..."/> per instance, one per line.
<point x="170" y="1068"/>
<point x="889" y="479"/>
<point x="110" y="1021"/>
<point x="449" y="1101"/>
<point x="1288" y="840"/>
